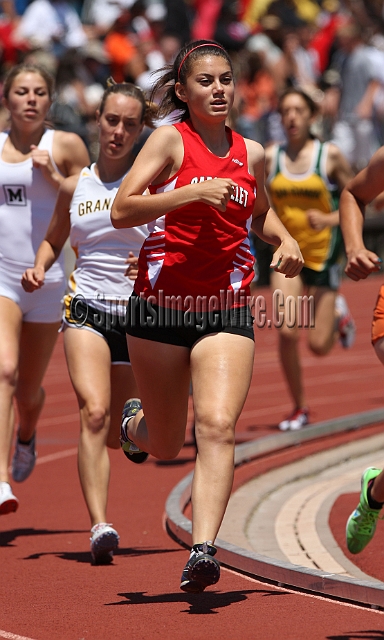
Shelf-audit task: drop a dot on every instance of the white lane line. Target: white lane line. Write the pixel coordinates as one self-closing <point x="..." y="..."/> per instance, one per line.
<point x="48" y="422"/>
<point x="51" y="457"/>
<point x="305" y="594"/>
<point x="12" y="636"/>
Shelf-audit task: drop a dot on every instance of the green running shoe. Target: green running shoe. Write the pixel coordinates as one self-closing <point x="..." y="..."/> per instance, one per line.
<point x="362" y="522"/>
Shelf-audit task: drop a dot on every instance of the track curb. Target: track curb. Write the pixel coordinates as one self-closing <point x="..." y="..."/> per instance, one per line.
<point x="259" y="566"/>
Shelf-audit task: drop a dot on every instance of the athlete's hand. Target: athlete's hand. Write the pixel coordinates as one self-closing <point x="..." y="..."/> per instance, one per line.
<point x="216" y="192"/>
<point x="42" y="160"/>
<point x="361" y="262"/>
<point x="317" y="219"/>
<point x="133" y="266"/>
<point x="33" y="279"/>
<point x="288" y="259"/>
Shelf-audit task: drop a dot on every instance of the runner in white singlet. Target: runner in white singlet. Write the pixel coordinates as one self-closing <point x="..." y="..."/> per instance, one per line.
<point x="95" y="308"/>
<point x="34" y="161"/>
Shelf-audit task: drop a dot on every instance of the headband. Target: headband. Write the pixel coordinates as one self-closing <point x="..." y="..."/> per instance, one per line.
<point x="198" y="46"/>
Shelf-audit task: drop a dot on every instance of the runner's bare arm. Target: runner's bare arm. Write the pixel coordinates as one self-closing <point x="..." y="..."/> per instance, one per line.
<point x="57" y="233"/>
<point x="359" y="192"/>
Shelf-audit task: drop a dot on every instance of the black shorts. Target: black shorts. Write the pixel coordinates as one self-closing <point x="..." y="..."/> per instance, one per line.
<point x="78" y="313"/>
<point x="184" y="328"/>
<point x="330" y="277"/>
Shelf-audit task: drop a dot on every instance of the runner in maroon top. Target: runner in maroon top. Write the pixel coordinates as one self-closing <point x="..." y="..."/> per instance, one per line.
<point x="189" y="317"/>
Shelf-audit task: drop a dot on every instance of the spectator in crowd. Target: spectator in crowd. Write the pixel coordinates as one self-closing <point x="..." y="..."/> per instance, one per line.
<point x="352" y="103"/>
<point x="127" y="63"/>
<point x="103" y="13"/>
<point x="268" y="42"/>
<point x="257" y="99"/>
<point x="52" y="24"/>
<point x="301" y="62"/>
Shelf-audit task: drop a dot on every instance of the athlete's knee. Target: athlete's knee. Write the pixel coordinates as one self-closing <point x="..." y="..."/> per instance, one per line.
<point x="320" y="345"/>
<point x="319" y="350"/>
<point x="217" y="428"/>
<point x="95" y="417"/>
<point x="288" y="336"/>
<point x="8" y="372"/>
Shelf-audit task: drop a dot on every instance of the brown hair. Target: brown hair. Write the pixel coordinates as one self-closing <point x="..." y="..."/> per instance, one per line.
<point x="311" y="104"/>
<point x="179" y="72"/>
<point x="28" y="68"/>
<point x="149" y="110"/>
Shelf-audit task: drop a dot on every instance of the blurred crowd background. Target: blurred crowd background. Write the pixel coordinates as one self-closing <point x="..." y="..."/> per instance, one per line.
<point x="333" y="49"/>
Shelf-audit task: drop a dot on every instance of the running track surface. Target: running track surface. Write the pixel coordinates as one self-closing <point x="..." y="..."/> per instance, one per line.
<point x="49" y="590"/>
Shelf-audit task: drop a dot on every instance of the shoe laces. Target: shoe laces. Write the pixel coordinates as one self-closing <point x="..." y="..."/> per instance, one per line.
<point x="203" y="548"/>
<point x="368" y="519"/>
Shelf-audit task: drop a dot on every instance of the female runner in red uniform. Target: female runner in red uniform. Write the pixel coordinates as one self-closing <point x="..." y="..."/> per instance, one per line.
<point x="189" y="316"/>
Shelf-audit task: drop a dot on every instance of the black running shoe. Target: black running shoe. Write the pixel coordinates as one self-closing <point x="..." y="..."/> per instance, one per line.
<point x="201" y="570"/>
<point x="131" y="451"/>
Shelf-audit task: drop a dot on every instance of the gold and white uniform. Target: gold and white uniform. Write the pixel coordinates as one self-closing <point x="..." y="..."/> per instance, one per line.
<point x="101" y="250"/>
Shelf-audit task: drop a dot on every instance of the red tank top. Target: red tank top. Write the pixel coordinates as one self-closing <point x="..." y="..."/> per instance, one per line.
<point x="196" y="252"/>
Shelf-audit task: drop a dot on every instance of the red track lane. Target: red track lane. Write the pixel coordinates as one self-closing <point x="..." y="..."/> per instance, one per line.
<point x="49" y="590"/>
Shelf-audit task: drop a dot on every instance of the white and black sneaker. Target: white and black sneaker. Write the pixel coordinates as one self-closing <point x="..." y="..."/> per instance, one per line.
<point x="201" y="570"/>
<point x="104" y="541"/>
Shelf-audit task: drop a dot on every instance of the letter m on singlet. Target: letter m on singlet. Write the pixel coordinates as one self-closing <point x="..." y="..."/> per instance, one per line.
<point x="15" y="195"/>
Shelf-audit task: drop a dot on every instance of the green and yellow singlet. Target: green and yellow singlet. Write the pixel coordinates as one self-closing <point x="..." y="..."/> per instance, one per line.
<point x="293" y="194"/>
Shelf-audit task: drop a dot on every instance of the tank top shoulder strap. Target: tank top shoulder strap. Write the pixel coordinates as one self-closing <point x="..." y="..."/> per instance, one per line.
<point x="275" y="168"/>
<point x="46" y="143"/>
<point x="321" y="167"/>
<point x="318" y="152"/>
<point x="238" y="146"/>
<point x="46" y="140"/>
<point x="184" y="129"/>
